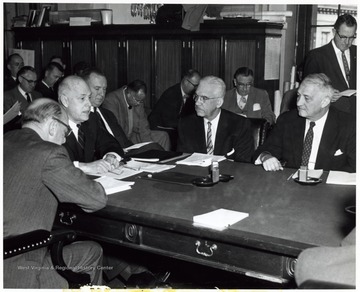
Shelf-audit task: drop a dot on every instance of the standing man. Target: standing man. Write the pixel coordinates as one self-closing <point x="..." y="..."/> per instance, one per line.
<point x="38" y="174"/>
<point x="23" y="94"/>
<point x="90" y="146"/>
<point x="127" y="105"/>
<point x="176" y="102"/>
<point x="53" y="72"/>
<point x="213" y="130"/>
<point x="13" y="63"/>
<point x="247" y="100"/>
<point x="337" y="60"/>
<point x="315" y="135"/>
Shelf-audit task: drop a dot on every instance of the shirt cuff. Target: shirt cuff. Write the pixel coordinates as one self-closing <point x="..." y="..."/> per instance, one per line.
<point x="76" y="164"/>
<point x="118" y="157"/>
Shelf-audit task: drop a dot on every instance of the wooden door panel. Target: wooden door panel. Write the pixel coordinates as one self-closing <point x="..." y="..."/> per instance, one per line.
<point x="80" y="52"/>
<point x="206" y="56"/>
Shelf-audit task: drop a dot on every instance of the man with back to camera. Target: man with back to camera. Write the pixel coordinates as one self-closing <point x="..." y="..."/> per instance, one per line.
<point x="314" y="135"/>
<point x="247" y="100"/>
<point x="213" y="130"/>
<point x="90" y="146"/>
<point x="38" y="174"/>
<point x="337" y="60"/>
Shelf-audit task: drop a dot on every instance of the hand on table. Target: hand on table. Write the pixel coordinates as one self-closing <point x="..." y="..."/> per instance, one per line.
<point x="271" y="163"/>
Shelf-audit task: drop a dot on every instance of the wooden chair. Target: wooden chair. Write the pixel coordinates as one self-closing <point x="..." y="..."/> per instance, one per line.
<point x="54" y="240"/>
<point x="260" y="129"/>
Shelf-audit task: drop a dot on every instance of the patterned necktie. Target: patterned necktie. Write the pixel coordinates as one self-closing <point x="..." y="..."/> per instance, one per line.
<point x="81" y="137"/>
<point x="209" y="144"/>
<point x="242" y="102"/>
<point x="307" y="145"/>
<point x="346" y="66"/>
<point x="28" y="98"/>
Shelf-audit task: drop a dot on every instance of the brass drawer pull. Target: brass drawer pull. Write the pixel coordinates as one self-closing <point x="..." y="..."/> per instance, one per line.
<point x="211" y="248"/>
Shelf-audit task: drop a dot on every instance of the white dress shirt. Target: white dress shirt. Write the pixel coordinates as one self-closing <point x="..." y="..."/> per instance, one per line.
<point x="340" y="61"/>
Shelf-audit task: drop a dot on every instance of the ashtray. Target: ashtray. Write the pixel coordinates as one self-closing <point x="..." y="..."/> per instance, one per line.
<point x="225" y="177"/>
<point x="309" y="181"/>
<point x="203" y="182"/>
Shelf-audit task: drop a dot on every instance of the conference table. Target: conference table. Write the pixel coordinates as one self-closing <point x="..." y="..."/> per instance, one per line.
<point x="285" y="218"/>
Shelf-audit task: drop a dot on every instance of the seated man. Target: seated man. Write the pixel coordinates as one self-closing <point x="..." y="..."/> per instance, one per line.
<point x="53" y="72"/>
<point x="126" y="103"/>
<point x="13" y="63"/>
<point x="23" y="93"/>
<point x="37" y="175"/>
<point x="97" y="83"/>
<point x="247" y="100"/>
<point x="213" y="130"/>
<point x="176" y="101"/>
<point x="315" y="135"/>
<point x="91" y="147"/>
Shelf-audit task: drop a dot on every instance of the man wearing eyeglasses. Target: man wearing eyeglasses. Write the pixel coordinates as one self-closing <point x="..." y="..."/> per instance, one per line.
<point x="213" y="130"/>
<point x="127" y="104"/>
<point x="337" y="60"/>
<point x="247" y="100"/>
<point x="13" y="63"/>
<point x="23" y="93"/>
<point x="37" y="175"/>
<point x="174" y="103"/>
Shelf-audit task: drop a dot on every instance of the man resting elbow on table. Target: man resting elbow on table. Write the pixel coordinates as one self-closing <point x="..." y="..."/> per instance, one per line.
<point x="213" y="130"/>
<point x="333" y="142"/>
<point x="90" y="147"/>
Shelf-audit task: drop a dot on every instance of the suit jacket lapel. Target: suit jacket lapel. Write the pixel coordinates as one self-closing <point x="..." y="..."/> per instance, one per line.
<point x="337" y="71"/>
<point x="221" y="133"/>
<point x="298" y="138"/>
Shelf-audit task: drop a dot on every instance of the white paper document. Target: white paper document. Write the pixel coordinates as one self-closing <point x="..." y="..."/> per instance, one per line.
<point x="341" y="178"/>
<point x="201" y="159"/>
<point x="348" y="92"/>
<point x="219" y="219"/>
<point x="136" y="146"/>
<point x="112" y="185"/>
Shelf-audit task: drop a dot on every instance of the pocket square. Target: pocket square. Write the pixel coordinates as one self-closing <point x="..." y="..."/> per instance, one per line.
<point x="338" y="152"/>
<point x="256" y="107"/>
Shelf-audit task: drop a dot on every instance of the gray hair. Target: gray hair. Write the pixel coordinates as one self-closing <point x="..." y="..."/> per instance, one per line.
<point x="41" y="109"/>
<point x="218" y="83"/>
<point x="322" y="82"/>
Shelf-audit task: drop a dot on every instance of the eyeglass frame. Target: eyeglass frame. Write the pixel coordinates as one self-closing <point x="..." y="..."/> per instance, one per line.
<point x="29" y="81"/>
<point x="242" y="85"/>
<point x="202" y="98"/>
<point x="68" y="128"/>
<point x="194" y="85"/>
<point x="343" y="38"/>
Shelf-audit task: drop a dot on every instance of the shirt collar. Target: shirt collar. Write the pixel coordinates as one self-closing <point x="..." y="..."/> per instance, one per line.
<point x="337" y="50"/>
<point x="22" y="91"/>
<point x="213" y="121"/>
<point x="320" y="122"/>
<point x="43" y="82"/>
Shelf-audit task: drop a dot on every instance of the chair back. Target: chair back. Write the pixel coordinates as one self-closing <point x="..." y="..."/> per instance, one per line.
<point x="260" y="129"/>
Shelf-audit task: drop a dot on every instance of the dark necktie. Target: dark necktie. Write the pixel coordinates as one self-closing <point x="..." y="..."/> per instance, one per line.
<point x="81" y="137"/>
<point x="346" y="66"/>
<point x="209" y="144"/>
<point x="28" y="98"/>
<point x="307" y="145"/>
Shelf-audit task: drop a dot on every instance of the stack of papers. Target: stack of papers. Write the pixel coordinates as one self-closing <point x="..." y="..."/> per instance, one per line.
<point x="112" y="185"/>
<point x="219" y="219"/>
<point x="341" y="178"/>
<point x="201" y="159"/>
<point x="313" y="173"/>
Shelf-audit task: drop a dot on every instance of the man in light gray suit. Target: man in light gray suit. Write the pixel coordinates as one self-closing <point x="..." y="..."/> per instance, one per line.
<point x="38" y="174"/>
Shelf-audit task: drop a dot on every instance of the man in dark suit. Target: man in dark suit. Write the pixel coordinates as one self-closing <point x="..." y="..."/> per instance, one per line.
<point x="176" y="101"/>
<point x="13" y="63"/>
<point x="333" y="142"/>
<point x="91" y="147"/>
<point x="53" y="72"/>
<point x="37" y="175"/>
<point x="247" y="100"/>
<point x="214" y="130"/>
<point x="23" y="93"/>
<point x="337" y="60"/>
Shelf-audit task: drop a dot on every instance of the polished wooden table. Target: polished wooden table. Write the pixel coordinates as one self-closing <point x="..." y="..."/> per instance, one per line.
<point x="284" y="219"/>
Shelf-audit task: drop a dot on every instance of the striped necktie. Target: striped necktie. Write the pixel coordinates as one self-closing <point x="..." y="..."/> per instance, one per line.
<point x="209" y="144"/>
<point x="81" y="136"/>
<point x="28" y="98"/>
<point x="346" y="66"/>
<point x="307" y="145"/>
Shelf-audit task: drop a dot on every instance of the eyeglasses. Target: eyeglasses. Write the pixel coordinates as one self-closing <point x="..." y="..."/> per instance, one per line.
<point x="29" y="81"/>
<point x="17" y="64"/>
<point x="68" y="129"/>
<point x="195" y="85"/>
<point x="242" y="85"/>
<point x="343" y="38"/>
<point x="202" y="98"/>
